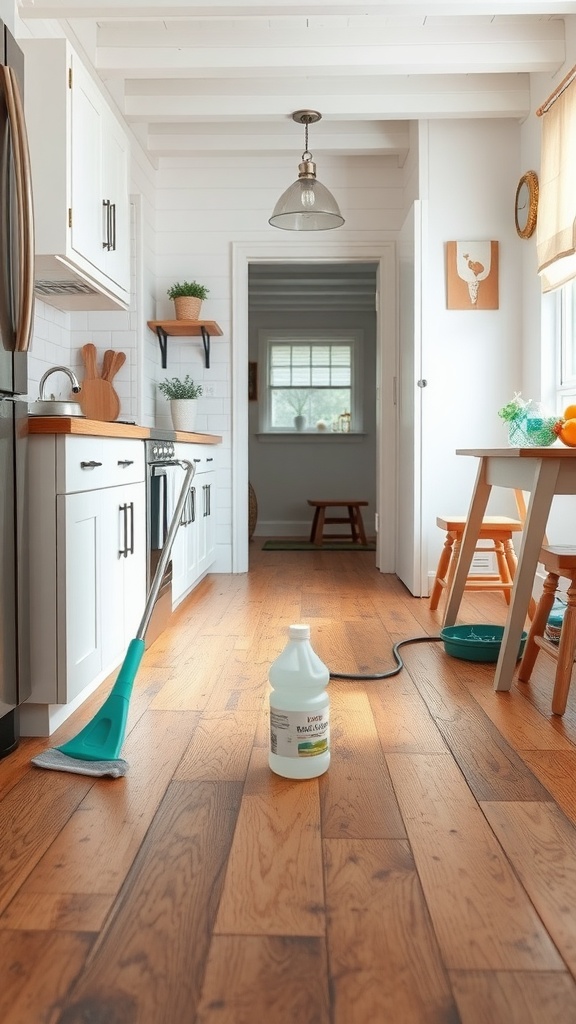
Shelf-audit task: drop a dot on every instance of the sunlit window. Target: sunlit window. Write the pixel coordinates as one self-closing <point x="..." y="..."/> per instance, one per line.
<point x="311" y="382"/>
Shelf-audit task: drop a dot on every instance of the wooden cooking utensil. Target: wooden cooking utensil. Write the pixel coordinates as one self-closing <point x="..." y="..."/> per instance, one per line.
<point x="97" y="398"/>
<point x="116" y="362"/>
<point x="113" y="361"/>
<point x="107" y="363"/>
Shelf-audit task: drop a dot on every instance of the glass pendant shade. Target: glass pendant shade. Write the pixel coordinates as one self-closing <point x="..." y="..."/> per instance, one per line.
<point x="306" y="205"/>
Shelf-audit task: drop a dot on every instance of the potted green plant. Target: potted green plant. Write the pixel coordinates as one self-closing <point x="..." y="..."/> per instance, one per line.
<point x="182" y="394"/>
<point x="298" y="400"/>
<point x="187" y="297"/>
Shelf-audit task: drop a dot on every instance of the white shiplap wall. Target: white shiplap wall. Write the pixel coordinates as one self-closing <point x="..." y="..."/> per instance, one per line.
<point x="206" y="205"/>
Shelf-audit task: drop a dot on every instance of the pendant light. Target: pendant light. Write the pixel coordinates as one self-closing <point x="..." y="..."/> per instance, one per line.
<point x="306" y="205"/>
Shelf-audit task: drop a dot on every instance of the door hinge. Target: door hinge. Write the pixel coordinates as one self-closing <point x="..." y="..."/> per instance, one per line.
<point x="70" y="78"/>
<point x="69" y="216"/>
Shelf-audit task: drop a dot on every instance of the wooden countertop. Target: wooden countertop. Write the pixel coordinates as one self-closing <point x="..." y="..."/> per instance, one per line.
<point x="99" y="428"/>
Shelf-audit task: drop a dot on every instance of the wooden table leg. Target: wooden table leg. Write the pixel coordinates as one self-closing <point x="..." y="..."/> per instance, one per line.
<point x="317" y="532"/>
<point x="542" y="493"/>
<point x="357" y="524"/>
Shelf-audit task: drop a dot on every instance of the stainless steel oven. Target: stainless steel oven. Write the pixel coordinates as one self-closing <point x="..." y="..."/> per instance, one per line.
<point x="163" y="482"/>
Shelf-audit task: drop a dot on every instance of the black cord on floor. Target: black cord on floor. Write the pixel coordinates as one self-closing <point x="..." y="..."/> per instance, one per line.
<point x="399" y="662"/>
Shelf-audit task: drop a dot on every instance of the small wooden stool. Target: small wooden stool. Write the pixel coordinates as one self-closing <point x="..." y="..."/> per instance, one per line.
<point x="354" y="519"/>
<point x="558" y="561"/>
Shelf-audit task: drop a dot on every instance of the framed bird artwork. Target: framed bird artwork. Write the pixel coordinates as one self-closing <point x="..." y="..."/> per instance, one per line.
<point x="472" y="275"/>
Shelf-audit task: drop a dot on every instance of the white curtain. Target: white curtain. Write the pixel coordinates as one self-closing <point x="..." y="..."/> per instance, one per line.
<point x="556" y="223"/>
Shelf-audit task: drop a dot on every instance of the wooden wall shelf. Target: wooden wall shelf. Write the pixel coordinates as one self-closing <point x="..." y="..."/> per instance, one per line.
<point x="185" y="329"/>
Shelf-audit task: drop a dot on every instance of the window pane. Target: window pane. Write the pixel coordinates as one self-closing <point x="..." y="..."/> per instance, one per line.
<point x="325" y="404"/>
<point x="569" y="339"/>
<point x="280" y="376"/>
<point x="321" y="355"/>
<point x="311" y="379"/>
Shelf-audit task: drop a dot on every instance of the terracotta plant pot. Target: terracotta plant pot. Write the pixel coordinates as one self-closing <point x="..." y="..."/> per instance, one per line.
<point x="187" y="307"/>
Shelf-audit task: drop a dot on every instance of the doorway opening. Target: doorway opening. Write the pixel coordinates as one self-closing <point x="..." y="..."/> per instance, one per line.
<point x="312" y="353"/>
<point x="314" y="258"/>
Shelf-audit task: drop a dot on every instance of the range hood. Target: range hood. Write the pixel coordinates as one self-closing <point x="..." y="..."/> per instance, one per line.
<point x="60" y="283"/>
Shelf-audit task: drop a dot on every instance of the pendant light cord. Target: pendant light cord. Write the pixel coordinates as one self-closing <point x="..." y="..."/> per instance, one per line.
<point x="397" y="658"/>
<point x="306" y="154"/>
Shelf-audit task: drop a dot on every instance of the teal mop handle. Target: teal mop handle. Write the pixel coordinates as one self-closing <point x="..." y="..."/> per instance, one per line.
<point x="190" y="469"/>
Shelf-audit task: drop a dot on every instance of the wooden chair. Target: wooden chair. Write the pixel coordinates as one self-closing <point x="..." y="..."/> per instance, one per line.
<point x="558" y="561"/>
<point x="497" y="531"/>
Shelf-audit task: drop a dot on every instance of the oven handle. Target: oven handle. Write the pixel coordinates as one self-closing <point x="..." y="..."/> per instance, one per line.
<point x="189" y="470"/>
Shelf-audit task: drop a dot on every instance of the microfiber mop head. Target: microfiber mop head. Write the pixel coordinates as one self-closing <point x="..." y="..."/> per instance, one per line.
<point x="95" y="750"/>
<point x="60" y="762"/>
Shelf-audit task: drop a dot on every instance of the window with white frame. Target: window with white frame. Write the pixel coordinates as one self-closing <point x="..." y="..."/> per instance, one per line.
<point x="566" y="336"/>
<point x="311" y="381"/>
<point x="568" y="342"/>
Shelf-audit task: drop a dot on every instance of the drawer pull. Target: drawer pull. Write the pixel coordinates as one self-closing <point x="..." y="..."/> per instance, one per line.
<point x="125" y="462"/>
<point x="210" y="459"/>
<point x="90" y="465"/>
<point x="196" y="460"/>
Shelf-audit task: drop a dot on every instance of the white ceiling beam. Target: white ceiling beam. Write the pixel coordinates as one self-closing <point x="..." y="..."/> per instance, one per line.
<point x="359" y="85"/>
<point x="109" y="9"/>
<point x="398" y="60"/>
<point x="397" y="98"/>
<point x="329" y="33"/>
<point x="163" y="139"/>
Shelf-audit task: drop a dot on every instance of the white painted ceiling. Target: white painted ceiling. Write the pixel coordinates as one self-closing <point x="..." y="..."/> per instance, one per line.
<point x="224" y="77"/>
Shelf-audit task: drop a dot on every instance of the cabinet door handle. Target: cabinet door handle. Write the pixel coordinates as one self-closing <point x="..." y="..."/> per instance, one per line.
<point x="209" y="493"/>
<point x="113" y="226"/>
<point x="123" y="552"/>
<point x="90" y="465"/>
<point x="106" y="243"/>
<point x="125" y="462"/>
<point x="131" y="527"/>
<point x="193" y="496"/>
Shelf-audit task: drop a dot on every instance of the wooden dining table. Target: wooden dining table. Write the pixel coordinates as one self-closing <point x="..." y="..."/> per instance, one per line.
<point x="544" y="472"/>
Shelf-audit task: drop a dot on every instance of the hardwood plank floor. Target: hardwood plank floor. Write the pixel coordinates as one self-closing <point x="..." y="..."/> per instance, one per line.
<point x="428" y="877"/>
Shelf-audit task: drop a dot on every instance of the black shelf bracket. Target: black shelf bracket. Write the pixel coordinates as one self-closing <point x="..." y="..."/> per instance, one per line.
<point x="206" y="341"/>
<point x="163" y="342"/>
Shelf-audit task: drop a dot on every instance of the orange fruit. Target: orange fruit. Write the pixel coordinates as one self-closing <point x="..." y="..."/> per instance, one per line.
<point x="570" y="412"/>
<point x="567" y="432"/>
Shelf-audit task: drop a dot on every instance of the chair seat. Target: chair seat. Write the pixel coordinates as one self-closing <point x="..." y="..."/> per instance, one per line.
<point x="489" y="524"/>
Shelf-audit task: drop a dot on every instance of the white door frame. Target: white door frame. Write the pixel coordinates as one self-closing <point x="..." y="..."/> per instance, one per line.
<point x="382" y="254"/>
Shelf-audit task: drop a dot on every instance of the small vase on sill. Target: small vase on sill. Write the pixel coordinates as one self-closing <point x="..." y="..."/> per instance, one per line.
<point x="183" y="413"/>
<point x="299" y="422"/>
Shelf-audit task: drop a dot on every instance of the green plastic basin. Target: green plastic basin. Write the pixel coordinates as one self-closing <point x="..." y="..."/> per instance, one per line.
<point x="477" y="642"/>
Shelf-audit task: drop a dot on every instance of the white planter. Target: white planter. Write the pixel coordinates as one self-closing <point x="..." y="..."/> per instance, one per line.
<point x="183" y="412"/>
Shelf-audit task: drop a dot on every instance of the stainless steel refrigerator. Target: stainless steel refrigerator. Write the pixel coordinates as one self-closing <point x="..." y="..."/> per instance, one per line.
<point x="16" y="320"/>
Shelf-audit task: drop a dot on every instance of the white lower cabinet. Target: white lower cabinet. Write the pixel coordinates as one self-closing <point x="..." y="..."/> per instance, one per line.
<point x="194" y="550"/>
<point x="88" y="552"/>
<point x="100" y="538"/>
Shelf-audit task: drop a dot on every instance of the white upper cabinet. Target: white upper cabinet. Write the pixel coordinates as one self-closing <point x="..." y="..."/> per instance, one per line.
<point x="80" y="162"/>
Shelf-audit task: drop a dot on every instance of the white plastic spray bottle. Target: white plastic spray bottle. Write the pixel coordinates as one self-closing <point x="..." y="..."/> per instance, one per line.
<point x="299" y="710"/>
